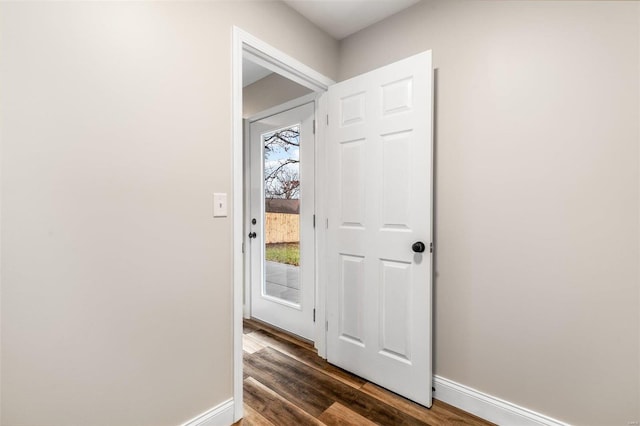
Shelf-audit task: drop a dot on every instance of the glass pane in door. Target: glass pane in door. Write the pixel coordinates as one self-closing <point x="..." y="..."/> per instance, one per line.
<point x="282" y="214"/>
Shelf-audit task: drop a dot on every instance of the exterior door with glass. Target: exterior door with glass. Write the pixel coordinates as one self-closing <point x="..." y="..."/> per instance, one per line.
<point x="281" y="228"/>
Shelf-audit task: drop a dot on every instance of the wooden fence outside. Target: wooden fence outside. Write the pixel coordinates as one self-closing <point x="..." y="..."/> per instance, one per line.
<point x="282" y="228"/>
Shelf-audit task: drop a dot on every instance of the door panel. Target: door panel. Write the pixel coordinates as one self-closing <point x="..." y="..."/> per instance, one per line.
<point x="396" y="180"/>
<point x="352" y="298"/>
<point x="283" y="177"/>
<point x="352" y="169"/>
<point x="379" y="290"/>
<point x="395" y="309"/>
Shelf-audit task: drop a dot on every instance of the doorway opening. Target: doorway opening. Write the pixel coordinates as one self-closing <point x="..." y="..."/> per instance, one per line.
<point x="370" y="276"/>
<point x="281" y="69"/>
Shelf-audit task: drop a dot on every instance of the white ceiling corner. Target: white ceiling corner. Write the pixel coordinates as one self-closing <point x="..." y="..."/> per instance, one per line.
<point x="341" y="18"/>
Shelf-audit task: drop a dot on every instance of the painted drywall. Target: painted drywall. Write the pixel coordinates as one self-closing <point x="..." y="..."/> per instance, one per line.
<point x="116" y="130"/>
<point x="536" y="214"/>
<point x="268" y="92"/>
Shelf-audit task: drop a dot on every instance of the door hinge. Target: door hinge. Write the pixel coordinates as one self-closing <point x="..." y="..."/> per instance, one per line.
<point x="242" y="247"/>
<point x="431" y="247"/>
<point x="327" y="223"/>
<point x="327" y="119"/>
<point x="314" y="314"/>
<point x="314" y="220"/>
<point x="326" y="326"/>
<point x="314" y="127"/>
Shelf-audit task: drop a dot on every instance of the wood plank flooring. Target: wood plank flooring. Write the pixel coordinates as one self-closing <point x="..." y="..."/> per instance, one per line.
<point x="287" y="383"/>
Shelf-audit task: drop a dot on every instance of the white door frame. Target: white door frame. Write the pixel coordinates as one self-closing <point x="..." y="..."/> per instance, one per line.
<point x="246" y="45"/>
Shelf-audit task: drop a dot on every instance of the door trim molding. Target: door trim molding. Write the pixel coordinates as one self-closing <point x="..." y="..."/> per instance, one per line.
<point x="487" y="406"/>
<point x="246" y="45"/>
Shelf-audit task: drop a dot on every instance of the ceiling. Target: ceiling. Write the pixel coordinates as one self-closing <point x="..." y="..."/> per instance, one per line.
<point x="252" y="72"/>
<point x="341" y="18"/>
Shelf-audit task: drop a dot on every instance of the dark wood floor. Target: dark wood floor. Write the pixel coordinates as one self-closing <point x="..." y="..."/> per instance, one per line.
<point x="287" y="383"/>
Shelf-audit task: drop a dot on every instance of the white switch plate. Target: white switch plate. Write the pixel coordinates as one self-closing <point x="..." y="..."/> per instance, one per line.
<point x="220" y="204"/>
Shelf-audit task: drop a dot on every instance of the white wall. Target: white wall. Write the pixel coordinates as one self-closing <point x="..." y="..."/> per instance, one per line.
<point x="536" y="285"/>
<point x="116" y="130"/>
<point x="273" y="90"/>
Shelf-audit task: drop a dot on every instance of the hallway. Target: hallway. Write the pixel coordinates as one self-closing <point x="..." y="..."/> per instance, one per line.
<point x="286" y="383"/>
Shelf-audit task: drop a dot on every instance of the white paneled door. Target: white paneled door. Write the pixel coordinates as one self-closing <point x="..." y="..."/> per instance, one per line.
<point x="379" y="226"/>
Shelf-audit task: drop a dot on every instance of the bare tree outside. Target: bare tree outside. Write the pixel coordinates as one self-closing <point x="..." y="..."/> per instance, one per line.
<point x="282" y="163"/>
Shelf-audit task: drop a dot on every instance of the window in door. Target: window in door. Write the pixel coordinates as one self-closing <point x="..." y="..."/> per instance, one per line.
<point x="282" y="214"/>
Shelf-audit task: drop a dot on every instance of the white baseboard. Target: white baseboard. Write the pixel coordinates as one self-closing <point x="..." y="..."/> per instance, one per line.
<point x="220" y="415"/>
<point x="488" y="407"/>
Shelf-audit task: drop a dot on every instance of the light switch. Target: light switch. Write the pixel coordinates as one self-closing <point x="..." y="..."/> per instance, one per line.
<point x="220" y="204"/>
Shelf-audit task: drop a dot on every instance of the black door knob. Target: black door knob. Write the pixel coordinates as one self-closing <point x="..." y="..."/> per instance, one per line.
<point x="252" y="234"/>
<point x="418" y="247"/>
